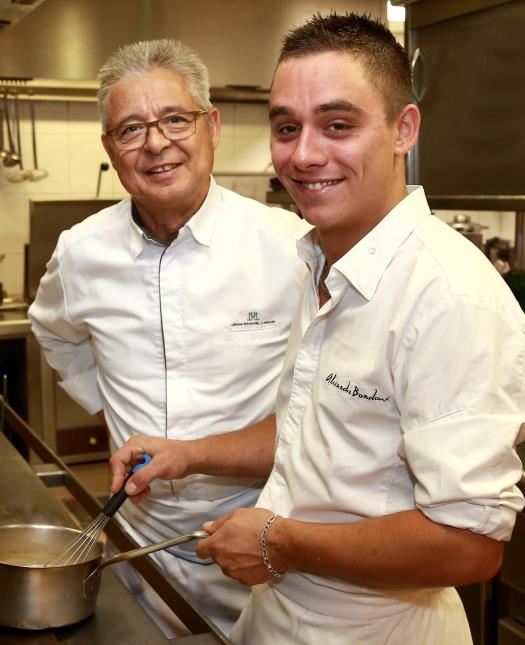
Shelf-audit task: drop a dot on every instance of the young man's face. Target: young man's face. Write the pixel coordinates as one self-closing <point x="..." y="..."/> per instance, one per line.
<point x="162" y="172"/>
<point x="332" y="147"/>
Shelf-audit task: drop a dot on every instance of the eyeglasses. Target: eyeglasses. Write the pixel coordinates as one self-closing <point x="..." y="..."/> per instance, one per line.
<point x="173" y="126"/>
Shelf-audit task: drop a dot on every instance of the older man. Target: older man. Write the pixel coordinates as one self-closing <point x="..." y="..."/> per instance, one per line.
<point x="393" y="476"/>
<point x="170" y="311"/>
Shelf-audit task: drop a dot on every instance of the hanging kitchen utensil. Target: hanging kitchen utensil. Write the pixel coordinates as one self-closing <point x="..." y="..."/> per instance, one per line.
<point x="20" y="174"/>
<point x="33" y="596"/>
<point x="2" y="258"/>
<point x="4" y="401"/>
<point x="37" y="173"/>
<point x="102" y="168"/>
<point x="11" y="158"/>
<point x="3" y="151"/>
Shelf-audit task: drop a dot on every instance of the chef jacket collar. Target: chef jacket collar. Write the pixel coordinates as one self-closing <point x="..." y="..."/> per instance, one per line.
<point x="364" y="264"/>
<point x="200" y="224"/>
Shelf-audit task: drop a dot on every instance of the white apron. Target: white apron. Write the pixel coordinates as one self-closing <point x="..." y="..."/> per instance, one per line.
<point x="271" y="618"/>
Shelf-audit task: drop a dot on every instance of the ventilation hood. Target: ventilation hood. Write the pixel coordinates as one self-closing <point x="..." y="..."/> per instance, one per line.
<point x="238" y="39"/>
<point x="12" y="11"/>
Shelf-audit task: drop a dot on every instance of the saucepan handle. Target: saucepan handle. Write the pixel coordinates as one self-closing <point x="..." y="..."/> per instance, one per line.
<point x="146" y="550"/>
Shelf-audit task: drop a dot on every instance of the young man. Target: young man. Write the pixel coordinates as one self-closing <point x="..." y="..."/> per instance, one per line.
<point x="403" y="390"/>
<point x="170" y="311"/>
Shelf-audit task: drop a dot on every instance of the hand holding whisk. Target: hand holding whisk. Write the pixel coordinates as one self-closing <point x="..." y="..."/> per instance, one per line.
<point x="80" y="548"/>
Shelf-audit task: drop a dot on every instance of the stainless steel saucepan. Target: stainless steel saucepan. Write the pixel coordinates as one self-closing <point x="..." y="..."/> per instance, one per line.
<point x="33" y="596"/>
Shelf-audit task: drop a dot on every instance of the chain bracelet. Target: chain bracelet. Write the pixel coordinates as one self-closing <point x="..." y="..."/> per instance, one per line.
<point x="264" y="546"/>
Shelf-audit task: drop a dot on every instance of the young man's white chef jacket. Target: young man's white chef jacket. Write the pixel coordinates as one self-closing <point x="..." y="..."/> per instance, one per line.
<point x="406" y="390"/>
<point x="178" y="341"/>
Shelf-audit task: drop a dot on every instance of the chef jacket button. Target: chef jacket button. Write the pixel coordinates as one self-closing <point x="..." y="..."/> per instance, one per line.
<point x="371" y="250"/>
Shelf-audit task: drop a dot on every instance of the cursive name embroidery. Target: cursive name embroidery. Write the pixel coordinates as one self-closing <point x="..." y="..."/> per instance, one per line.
<point x="353" y="390"/>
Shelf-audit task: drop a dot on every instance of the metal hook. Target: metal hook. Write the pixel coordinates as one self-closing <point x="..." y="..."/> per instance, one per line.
<point x="4" y="401"/>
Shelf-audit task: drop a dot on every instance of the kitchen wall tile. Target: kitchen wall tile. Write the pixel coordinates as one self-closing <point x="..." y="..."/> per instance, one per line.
<point x="50" y="116"/>
<point x="11" y="274"/>
<point x="14" y="222"/>
<point x="86" y="153"/>
<point x="6" y="186"/>
<point x="499" y="224"/>
<point x="226" y="181"/>
<point x="83" y="117"/>
<point x="252" y="154"/>
<point x="251" y="120"/>
<point x="225" y="155"/>
<point x="492" y="221"/>
<point x="110" y="186"/>
<point x="227" y="111"/>
<point x="508" y="225"/>
<point x="53" y="156"/>
<point x="109" y="182"/>
<point x="254" y="186"/>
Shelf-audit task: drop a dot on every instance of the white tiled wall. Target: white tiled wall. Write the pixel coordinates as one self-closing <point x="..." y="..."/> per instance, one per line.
<point x="69" y="148"/>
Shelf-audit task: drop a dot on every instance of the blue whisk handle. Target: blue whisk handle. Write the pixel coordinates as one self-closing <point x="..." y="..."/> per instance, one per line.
<point x="116" y="501"/>
<point x="145" y="461"/>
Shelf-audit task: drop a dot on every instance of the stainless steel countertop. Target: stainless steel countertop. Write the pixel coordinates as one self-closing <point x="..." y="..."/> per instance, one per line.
<point x="14" y="323"/>
<point x="118" y="618"/>
<point x="25" y="499"/>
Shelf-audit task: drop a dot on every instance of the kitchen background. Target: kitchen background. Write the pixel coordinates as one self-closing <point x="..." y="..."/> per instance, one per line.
<point x="470" y="90"/>
<point x="67" y="127"/>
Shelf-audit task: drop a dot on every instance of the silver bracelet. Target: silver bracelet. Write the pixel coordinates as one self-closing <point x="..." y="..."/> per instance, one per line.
<point x="264" y="546"/>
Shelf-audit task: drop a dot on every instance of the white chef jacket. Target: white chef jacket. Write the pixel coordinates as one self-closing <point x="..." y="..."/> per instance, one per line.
<point x="177" y="341"/>
<point x="405" y="390"/>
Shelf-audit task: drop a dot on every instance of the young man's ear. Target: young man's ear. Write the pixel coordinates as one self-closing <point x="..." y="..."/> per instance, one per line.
<point x="407" y="128"/>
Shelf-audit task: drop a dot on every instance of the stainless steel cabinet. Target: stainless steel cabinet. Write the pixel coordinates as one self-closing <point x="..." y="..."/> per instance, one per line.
<point x="470" y="84"/>
<point x="66" y="428"/>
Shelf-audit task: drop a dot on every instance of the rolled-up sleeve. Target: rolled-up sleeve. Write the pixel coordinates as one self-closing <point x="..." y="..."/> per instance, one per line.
<point x="66" y="345"/>
<point x="463" y="403"/>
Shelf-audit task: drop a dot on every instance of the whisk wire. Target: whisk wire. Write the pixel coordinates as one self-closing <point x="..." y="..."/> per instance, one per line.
<point x="81" y="547"/>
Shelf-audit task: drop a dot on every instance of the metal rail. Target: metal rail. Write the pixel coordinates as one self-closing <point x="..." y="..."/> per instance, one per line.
<point x="172" y="595"/>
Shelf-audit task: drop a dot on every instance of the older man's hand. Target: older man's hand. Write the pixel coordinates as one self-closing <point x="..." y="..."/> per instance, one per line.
<point x="168" y="462"/>
<point x="234" y="544"/>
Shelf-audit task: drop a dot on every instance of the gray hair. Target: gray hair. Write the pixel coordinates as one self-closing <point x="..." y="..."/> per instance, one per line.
<point x="143" y="56"/>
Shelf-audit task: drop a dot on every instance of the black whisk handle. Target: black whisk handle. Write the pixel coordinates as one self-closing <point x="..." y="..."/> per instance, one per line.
<point x="116" y="501"/>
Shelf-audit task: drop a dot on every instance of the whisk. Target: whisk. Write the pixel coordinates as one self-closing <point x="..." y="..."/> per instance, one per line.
<point x="81" y="547"/>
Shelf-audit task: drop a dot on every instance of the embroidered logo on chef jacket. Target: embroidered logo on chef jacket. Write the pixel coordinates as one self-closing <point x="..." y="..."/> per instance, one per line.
<point x="354" y="391"/>
<point x="253" y="320"/>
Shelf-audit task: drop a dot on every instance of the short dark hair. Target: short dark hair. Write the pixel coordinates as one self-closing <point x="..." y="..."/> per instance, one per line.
<point x="384" y="59"/>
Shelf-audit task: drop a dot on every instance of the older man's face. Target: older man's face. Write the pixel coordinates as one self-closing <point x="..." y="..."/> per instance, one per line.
<point x="162" y="174"/>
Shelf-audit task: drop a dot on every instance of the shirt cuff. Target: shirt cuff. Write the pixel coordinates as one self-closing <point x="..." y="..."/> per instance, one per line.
<point x="494" y="522"/>
<point x="83" y="389"/>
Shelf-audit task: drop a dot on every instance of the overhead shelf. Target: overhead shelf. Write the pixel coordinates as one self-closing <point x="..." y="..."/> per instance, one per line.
<point x="44" y="89"/>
